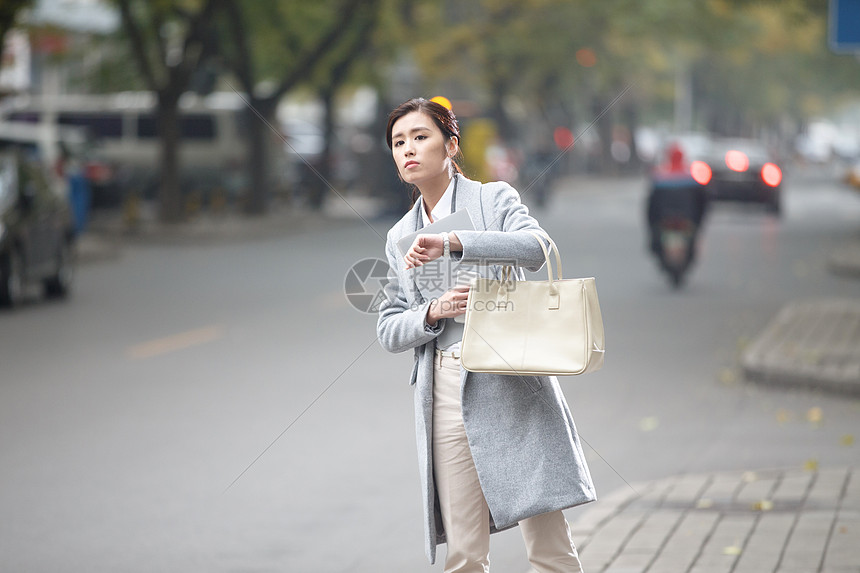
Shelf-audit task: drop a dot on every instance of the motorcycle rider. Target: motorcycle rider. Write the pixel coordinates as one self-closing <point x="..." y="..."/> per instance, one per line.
<point x="674" y="193"/>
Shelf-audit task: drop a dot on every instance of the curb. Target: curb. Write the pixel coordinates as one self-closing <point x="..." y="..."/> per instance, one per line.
<point x="809" y="344"/>
<point x="845" y="260"/>
<point x="93" y="248"/>
<point x="110" y="230"/>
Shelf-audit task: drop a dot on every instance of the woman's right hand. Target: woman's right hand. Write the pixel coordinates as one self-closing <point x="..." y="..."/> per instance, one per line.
<point x="452" y="303"/>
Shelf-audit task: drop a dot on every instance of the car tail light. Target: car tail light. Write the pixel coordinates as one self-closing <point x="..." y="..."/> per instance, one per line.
<point x="771" y="174"/>
<point x="737" y="160"/>
<point x="701" y="172"/>
<point x="97" y="172"/>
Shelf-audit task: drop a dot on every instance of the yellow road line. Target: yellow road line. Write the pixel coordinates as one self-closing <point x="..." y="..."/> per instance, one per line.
<point x="175" y="342"/>
<point x="332" y="300"/>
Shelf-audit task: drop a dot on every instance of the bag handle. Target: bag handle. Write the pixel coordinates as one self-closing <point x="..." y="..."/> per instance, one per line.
<point x="508" y="273"/>
<point x="552" y="247"/>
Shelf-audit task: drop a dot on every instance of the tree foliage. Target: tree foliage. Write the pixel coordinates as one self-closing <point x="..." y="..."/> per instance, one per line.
<point x="746" y="67"/>
<point x="749" y="65"/>
<point x="293" y="44"/>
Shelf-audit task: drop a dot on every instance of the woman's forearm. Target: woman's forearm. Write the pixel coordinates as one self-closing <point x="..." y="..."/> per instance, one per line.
<point x="520" y="248"/>
<point x="456" y="245"/>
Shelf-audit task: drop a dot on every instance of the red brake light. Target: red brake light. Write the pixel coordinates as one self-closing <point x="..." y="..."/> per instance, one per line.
<point x="737" y="160"/>
<point x="97" y="172"/>
<point x="701" y="172"/>
<point x="771" y="174"/>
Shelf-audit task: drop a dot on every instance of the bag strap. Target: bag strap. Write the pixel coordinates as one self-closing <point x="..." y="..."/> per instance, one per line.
<point x="553" y="247"/>
<point x="508" y="273"/>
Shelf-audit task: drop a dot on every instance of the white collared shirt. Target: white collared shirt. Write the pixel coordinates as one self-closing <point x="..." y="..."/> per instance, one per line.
<point x="442" y="208"/>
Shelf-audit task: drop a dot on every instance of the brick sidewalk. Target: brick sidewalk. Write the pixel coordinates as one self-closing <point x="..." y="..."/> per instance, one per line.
<point x="772" y="521"/>
<point x="809" y="343"/>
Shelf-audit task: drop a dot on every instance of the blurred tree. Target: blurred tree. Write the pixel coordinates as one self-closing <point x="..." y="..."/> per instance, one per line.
<point x="169" y="40"/>
<point x="483" y="45"/>
<point x="772" y="66"/>
<point x="292" y="44"/>
<point x="9" y="12"/>
<point x="730" y="66"/>
<point x="329" y="79"/>
<point x="104" y="65"/>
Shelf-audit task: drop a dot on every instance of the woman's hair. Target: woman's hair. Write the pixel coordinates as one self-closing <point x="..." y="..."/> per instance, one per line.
<point x="443" y="117"/>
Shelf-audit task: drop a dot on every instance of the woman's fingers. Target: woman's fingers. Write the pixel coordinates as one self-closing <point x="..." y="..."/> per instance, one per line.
<point x="416" y="258"/>
<point x="461" y="291"/>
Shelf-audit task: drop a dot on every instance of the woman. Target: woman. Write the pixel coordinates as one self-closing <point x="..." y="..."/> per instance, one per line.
<point x="494" y="451"/>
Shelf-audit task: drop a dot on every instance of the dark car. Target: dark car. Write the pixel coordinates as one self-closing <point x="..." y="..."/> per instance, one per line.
<point x="742" y="170"/>
<point x="36" y="228"/>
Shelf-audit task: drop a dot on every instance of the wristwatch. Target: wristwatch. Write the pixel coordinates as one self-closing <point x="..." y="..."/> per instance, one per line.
<point x="446" y="245"/>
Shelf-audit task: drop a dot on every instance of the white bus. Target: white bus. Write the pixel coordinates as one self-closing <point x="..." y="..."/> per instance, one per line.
<point x="126" y="146"/>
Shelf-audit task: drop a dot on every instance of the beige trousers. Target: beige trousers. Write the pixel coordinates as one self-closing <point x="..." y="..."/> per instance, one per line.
<point x="465" y="514"/>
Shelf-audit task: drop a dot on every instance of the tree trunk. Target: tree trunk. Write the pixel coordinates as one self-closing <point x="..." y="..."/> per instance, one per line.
<point x="380" y="171"/>
<point x="169" y="193"/>
<point x="257" y="163"/>
<point x="506" y="128"/>
<point x="317" y="188"/>
<point x="604" y="131"/>
<point x="632" y="120"/>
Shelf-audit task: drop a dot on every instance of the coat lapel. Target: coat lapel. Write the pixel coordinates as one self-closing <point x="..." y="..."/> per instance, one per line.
<point x="411" y="224"/>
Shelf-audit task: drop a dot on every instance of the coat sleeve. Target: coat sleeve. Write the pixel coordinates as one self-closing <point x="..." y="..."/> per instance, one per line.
<point x="512" y="243"/>
<point x="402" y="326"/>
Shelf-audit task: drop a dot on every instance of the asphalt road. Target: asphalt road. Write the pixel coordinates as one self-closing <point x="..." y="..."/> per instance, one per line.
<point x="127" y="412"/>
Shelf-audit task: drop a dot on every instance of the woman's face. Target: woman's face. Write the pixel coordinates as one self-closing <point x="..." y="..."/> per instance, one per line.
<point x="420" y="150"/>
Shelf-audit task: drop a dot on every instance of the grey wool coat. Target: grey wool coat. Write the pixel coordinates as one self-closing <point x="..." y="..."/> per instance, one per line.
<point x="520" y="430"/>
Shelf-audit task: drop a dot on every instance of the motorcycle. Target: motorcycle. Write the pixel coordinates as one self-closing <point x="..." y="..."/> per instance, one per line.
<point x="676" y="207"/>
<point x="676" y="247"/>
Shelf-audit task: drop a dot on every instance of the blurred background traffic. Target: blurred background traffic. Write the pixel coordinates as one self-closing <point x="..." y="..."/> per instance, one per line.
<point x="182" y="107"/>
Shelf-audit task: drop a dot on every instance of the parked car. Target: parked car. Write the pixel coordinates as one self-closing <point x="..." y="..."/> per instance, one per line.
<point x="36" y="228"/>
<point x="65" y="151"/>
<point x="742" y="170"/>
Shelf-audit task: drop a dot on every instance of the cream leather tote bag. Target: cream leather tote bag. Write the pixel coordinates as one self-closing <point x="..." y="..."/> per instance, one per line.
<point x="534" y="328"/>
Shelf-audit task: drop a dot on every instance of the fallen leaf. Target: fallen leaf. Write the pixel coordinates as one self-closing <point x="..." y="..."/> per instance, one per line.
<point x="728" y="377"/>
<point x="732" y="550"/>
<point x="811" y="465"/>
<point x="811" y="356"/>
<point x="649" y="424"/>
<point x="783" y="416"/>
<point x="763" y="505"/>
<point x="847" y="440"/>
<point x="814" y="415"/>
<point x="704" y="503"/>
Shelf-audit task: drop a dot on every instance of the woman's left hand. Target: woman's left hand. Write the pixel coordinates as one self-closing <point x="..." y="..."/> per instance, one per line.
<point x="425" y="248"/>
